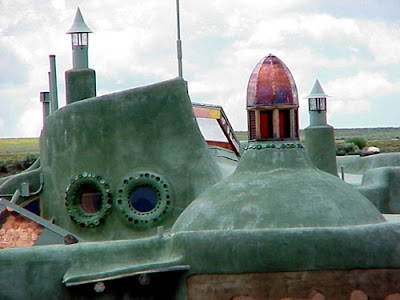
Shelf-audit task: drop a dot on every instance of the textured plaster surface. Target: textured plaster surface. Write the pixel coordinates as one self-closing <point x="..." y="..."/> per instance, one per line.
<point x="275" y="213"/>
<point x="332" y="284"/>
<point x="356" y="164"/>
<point x="80" y="84"/>
<point x="382" y="187"/>
<point x="149" y="129"/>
<point x="320" y="146"/>
<point x="284" y="249"/>
<point x="277" y="188"/>
<point x="43" y="269"/>
<point x="380" y="178"/>
<point x="206" y="252"/>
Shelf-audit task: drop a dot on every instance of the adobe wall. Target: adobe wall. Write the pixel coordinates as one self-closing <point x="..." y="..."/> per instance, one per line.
<point x="330" y="284"/>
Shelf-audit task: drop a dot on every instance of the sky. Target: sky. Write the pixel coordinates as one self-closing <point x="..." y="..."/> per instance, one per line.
<point x="352" y="47"/>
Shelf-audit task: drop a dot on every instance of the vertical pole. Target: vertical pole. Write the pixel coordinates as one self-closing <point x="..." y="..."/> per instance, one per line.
<point x="258" y="124"/>
<point x="292" y="123"/>
<point x="53" y="84"/>
<point x="179" y="42"/>
<point x="44" y="98"/>
<point x="50" y="94"/>
<point x="275" y="124"/>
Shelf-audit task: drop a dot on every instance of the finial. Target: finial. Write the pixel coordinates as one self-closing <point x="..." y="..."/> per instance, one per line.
<point x="317" y="91"/>
<point x="79" y="24"/>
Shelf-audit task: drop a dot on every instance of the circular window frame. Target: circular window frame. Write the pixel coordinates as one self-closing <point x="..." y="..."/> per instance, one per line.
<point x="73" y="199"/>
<point x="154" y="216"/>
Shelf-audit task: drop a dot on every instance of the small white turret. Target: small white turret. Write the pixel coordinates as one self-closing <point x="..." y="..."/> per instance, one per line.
<point x="80" y="41"/>
<point x="317" y="105"/>
<point x="319" y="136"/>
<point x="80" y="81"/>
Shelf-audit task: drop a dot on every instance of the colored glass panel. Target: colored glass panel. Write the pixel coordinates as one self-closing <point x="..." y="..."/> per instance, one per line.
<point x="143" y="199"/>
<point x="91" y="199"/>
<point x="271" y="83"/>
<point x="265" y="124"/>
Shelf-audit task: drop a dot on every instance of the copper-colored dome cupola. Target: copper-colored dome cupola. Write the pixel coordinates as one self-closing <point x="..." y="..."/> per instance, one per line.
<point x="272" y="101"/>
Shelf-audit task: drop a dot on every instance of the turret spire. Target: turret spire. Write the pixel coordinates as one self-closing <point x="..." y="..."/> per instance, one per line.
<point x="80" y="41"/>
<point x="80" y="81"/>
<point x="79" y="24"/>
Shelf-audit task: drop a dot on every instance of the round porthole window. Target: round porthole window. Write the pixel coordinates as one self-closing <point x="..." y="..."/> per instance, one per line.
<point x="145" y="199"/>
<point x="88" y="199"/>
<point x="91" y="199"/>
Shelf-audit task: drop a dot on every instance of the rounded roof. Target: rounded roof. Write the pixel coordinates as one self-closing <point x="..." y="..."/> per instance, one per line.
<point x="271" y="84"/>
<point x="277" y="187"/>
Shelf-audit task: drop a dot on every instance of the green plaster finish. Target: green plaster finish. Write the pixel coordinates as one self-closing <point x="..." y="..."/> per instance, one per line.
<point x="380" y="178"/>
<point x="79" y="84"/>
<point x="150" y="216"/>
<point x="80" y="59"/>
<point x="288" y="145"/>
<point x="320" y="145"/>
<point x="46" y="271"/>
<point x="56" y="268"/>
<point x="275" y="213"/>
<point x="10" y="184"/>
<point x="149" y="129"/>
<point x="73" y="194"/>
<point x="356" y="164"/>
<point x="382" y="187"/>
<point x="317" y="118"/>
<point x="243" y="146"/>
<point x="227" y="160"/>
<point x="290" y="249"/>
<point x="277" y="188"/>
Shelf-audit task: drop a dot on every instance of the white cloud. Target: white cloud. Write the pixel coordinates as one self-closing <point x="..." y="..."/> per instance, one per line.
<point x="355" y="95"/>
<point x="383" y="41"/>
<point x="362" y="85"/>
<point x="134" y="43"/>
<point x="30" y="121"/>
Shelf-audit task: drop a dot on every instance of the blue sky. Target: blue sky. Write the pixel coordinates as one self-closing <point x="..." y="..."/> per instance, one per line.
<point x="352" y="47"/>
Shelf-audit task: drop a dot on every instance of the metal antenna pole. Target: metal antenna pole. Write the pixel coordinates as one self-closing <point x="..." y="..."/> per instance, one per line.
<point x="179" y="42"/>
<point x="53" y="84"/>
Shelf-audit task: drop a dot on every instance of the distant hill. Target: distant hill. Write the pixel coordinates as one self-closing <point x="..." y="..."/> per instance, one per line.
<point x="382" y="133"/>
<point x="385" y="138"/>
<point x="17" y="153"/>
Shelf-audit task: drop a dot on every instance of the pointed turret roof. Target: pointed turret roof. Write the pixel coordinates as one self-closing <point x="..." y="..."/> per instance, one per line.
<point x="317" y="91"/>
<point x="79" y="24"/>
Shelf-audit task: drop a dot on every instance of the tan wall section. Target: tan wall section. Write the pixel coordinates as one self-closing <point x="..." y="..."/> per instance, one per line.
<point x="316" y="285"/>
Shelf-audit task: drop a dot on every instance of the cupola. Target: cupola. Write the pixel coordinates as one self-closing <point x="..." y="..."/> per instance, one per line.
<point x="319" y="137"/>
<point x="79" y="32"/>
<point x="80" y="81"/>
<point x="317" y="104"/>
<point x="272" y="101"/>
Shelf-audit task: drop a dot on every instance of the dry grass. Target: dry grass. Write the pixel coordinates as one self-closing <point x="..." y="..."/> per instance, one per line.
<point x="387" y="139"/>
<point x="15" y="149"/>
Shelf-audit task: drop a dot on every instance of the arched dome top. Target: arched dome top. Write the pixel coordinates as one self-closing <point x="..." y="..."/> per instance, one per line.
<point x="271" y="84"/>
<point x="276" y="186"/>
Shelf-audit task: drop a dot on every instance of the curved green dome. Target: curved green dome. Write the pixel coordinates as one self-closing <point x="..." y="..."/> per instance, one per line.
<point x="276" y="186"/>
